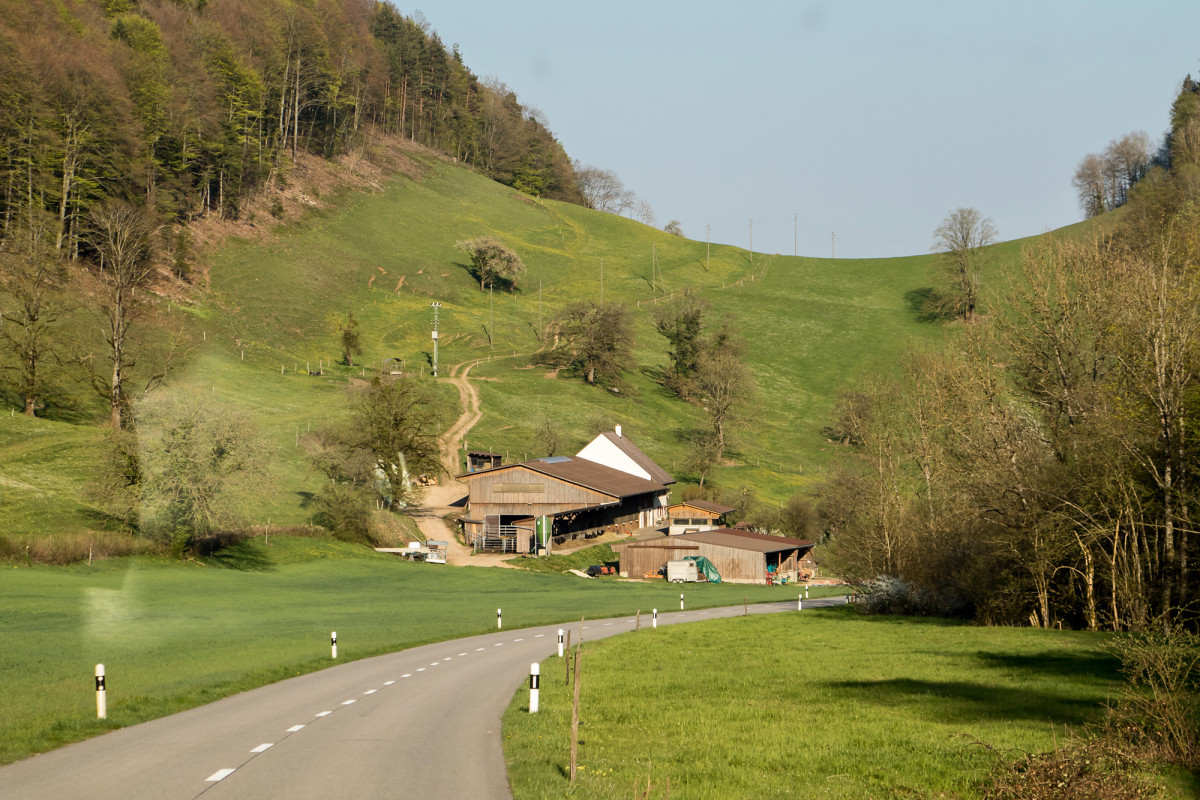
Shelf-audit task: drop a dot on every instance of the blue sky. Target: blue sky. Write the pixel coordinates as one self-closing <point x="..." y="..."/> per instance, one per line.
<point x="869" y="119"/>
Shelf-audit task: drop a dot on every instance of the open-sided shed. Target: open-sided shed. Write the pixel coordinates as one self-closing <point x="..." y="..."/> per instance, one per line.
<point x="740" y="556"/>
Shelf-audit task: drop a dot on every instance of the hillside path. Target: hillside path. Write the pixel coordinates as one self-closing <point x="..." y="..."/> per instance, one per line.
<point x="441" y="500"/>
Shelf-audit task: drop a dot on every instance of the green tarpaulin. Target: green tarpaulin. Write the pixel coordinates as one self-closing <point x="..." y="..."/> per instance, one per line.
<point x="706" y="568"/>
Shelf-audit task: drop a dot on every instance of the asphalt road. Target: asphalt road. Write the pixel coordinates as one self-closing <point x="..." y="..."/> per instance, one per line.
<point x="420" y="723"/>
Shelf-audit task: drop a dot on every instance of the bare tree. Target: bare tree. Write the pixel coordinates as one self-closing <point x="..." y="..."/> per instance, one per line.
<point x="961" y="238"/>
<point x="601" y="188"/>
<point x="1089" y="185"/>
<point x="30" y="275"/>
<point x="725" y="387"/>
<point x="121" y="235"/>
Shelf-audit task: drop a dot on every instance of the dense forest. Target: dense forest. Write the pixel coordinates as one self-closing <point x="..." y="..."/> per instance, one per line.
<point x="1045" y="469"/>
<point x="184" y="107"/>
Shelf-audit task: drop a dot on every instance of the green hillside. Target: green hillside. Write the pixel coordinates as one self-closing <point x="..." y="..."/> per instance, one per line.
<point x="276" y="303"/>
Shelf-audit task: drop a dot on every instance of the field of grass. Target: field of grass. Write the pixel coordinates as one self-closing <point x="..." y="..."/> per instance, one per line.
<point x="821" y="703"/>
<point x="175" y="635"/>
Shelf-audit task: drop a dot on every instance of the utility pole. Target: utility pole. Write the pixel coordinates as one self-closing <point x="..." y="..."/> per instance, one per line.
<point x="795" y="234"/>
<point x="435" y="306"/>
<point x="751" y="241"/>
<point x="833" y="244"/>
<point x="491" y="320"/>
<point x="602" y="281"/>
<point x="708" y="249"/>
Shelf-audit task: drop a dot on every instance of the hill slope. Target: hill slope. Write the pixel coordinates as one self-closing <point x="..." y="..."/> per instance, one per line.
<point x="276" y="304"/>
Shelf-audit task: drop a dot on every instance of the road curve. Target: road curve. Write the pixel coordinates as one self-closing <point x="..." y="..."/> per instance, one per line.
<point x="420" y="723"/>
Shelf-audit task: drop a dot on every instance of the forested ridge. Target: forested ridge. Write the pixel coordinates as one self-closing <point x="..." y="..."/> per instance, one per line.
<point x="187" y="106"/>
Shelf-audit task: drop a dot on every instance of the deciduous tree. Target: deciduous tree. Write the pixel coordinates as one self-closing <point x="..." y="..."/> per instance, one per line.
<point x="493" y="262"/>
<point x="961" y="238"/>
<point x="600" y="338"/>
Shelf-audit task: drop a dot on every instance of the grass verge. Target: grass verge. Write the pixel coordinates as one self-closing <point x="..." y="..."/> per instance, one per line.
<point x="823" y="703"/>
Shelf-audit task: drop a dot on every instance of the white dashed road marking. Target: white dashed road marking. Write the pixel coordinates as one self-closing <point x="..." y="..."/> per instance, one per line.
<point x="219" y="775"/>
<point x="294" y="728"/>
<point x="262" y="748"/>
<point x="324" y="714"/>
<point x="348" y="702"/>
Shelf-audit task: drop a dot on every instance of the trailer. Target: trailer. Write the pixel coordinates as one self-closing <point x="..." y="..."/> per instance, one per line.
<point x="682" y="571"/>
<point x="431" y="551"/>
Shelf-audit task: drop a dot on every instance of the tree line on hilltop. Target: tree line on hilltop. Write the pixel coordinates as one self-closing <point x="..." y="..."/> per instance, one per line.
<point x="187" y="106"/>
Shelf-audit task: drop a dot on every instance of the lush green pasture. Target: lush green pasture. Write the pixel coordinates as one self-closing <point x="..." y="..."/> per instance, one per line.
<point x="819" y="703"/>
<point x="176" y="635"/>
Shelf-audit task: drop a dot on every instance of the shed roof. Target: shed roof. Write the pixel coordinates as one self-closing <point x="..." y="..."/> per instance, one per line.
<point x="746" y="540"/>
<point x="704" y="505"/>
<point x="582" y="472"/>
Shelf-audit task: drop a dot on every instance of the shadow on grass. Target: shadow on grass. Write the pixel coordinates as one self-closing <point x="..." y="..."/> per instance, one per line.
<point x="245" y="556"/>
<point x="928" y="305"/>
<point x="1099" y="666"/>
<point x="963" y="702"/>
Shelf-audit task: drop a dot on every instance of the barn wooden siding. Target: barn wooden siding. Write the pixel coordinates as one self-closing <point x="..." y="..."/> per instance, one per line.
<point x="523" y="492"/>
<point x="639" y="558"/>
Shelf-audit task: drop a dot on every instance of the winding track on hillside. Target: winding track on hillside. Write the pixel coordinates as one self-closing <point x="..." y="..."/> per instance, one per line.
<point x="420" y="723"/>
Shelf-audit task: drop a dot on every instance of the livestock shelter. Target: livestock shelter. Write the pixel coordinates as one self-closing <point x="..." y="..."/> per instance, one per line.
<point x="481" y="459"/>
<point x="740" y="556"/>
<point x="581" y="499"/>
<point x="696" y="515"/>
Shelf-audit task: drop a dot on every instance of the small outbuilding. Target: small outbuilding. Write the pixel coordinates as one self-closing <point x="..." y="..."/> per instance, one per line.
<point x="692" y="516"/>
<point x="740" y="556"/>
<point x="480" y="459"/>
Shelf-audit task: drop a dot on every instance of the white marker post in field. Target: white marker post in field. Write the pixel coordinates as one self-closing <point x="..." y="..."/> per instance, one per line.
<point x="560" y="642"/>
<point x="499" y="620"/>
<point x="800" y="603"/>
<point x="535" y="677"/>
<point x="333" y="642"/>
<point x="101" y="694"/>
<point x="654" y="624"/>
<point x="681" y="601"/>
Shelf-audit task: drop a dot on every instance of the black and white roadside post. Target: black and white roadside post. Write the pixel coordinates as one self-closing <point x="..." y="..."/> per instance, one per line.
<point x="101" y="695"/>
<point x="535" y="678"/>
<point x="499" y="623"/>
<point x="333" y="642"/>
<point x="800" y="603"/>
<point x="560" y="642"/>
<point x="805" y="592"/>
<point x="654" y="622"/>
<point x="681" y="601"/>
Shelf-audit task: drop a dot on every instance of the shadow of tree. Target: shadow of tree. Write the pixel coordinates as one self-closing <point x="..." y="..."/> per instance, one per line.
<point x="247" y="555"/>
<point x="962" y="701"/>
<point x="1102" y="667"/>
<point x="929" y="305"/>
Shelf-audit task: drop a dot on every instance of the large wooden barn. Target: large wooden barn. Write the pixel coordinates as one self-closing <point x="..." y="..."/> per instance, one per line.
<point x="610" y="486"/>
<point x="741" y="556"/>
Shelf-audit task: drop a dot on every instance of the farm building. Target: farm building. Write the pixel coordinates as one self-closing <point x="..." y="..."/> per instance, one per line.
<point x="740" y="556"/>
<point x="696" y="515"/>
<point x="481" y="459"/>
<point x="611" y="486"/>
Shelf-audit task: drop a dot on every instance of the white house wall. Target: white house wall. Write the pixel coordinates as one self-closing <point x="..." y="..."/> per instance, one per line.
<point x="602" y="451"/>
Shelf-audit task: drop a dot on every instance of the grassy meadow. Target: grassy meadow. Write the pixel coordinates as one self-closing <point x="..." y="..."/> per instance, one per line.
<point x="825" y="703"/>
<point x="276" y="303"/>
<point x="175" y="635"/>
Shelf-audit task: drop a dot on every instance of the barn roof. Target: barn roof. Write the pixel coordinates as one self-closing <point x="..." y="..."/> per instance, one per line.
<point x="746" y="540"/>
<point x="582" y="472"/>
<point x="704" y="505"/>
